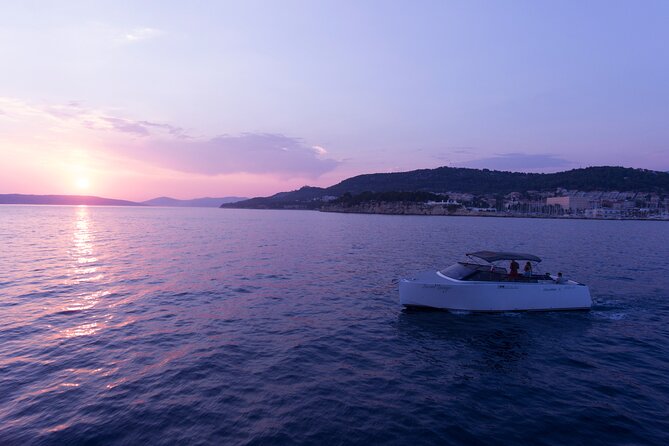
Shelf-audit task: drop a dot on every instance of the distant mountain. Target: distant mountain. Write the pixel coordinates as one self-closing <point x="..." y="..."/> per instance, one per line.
<point x="205" y="202"/>
<point x="475" y="181"/>
<point x="63" y="200"/>
<point x="305" y="198"/>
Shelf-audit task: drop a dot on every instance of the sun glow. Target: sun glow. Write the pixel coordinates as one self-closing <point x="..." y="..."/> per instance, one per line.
<point x="82" y="183"/>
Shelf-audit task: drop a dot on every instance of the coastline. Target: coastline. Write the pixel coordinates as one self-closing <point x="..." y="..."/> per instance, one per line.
<point x="418" y="209"/>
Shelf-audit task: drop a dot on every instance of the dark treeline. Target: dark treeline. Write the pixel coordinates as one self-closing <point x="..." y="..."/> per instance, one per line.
<point x="444" y="179"/>
<point x="387" y="197"/>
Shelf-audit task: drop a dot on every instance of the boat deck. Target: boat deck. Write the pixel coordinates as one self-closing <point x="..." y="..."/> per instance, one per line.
<point x="484" y="273"/>
<point x="493" y="276"/>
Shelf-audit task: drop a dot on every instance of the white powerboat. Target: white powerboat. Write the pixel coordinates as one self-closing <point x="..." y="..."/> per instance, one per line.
<point x="472" y="286"/>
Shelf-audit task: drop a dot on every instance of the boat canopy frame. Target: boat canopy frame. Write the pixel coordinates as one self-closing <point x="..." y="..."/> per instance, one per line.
<point x="496" y="256"/>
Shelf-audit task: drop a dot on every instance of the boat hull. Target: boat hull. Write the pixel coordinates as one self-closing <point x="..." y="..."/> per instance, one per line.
<point x="437" y="291"/>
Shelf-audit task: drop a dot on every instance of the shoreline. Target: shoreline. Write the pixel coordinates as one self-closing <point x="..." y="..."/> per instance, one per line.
<point x="490" y="215"/>
<point x="424" y="214"/>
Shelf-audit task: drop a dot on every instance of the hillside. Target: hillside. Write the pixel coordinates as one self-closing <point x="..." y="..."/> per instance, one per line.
<point x="475" y="181"/>
<point x="72" y="200"/>
<point x="486" y="181"/>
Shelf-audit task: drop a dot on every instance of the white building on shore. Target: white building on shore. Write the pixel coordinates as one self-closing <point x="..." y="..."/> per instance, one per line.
<point x="570" y="202"/>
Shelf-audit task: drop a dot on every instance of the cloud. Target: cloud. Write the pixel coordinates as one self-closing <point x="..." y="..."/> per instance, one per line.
<point x="73" y="112"/>
<point x="319" y="150"/>
<point x="260" y="153"/>
<point x="143" y="128"/>
<point x="124" y="125"/>
<point x="462" y="150"/>
<point x="139" y="34"/>
<point x="171" y="129"/>
<point x="449" y="153"/>
<point x="169" y="146"/>
<point x="517" y="162"/>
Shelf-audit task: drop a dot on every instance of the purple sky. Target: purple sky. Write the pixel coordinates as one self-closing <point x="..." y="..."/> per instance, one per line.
<point x="139" y="99"/>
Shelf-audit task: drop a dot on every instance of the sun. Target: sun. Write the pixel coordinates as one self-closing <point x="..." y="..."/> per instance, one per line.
<point x="82" y="183"/>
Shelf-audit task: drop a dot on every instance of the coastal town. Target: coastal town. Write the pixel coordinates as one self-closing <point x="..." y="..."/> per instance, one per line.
<point x="597" y="192"/>
<point x="561" y="203"/>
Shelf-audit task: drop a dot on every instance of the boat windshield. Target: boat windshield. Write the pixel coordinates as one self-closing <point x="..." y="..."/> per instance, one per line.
<point x="460" y="271"/>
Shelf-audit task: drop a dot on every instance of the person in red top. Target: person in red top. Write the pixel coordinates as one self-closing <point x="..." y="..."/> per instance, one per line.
<point x="514" y="269"/>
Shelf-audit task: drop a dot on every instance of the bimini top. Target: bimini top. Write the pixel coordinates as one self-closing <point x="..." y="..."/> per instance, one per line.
<point x="492" y="256"/>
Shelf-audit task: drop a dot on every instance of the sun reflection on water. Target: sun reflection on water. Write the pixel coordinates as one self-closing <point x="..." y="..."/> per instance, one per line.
<point x="85" y="274"/>
<point x="83" y="238"/>
<point x="82" y="330"/>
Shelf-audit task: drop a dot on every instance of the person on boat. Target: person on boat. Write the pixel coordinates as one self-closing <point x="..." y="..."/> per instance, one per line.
<point x="513" y="269"/>
<point x="560" y="279"/>
<point x="527" y="271"/>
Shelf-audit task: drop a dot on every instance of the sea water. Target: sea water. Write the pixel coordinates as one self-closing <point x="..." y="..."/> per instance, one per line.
<point x="209" y="326"/>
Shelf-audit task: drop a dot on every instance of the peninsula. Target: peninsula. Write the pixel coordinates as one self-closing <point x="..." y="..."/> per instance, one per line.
<point x="89" y="200"/>
<point x="71" y="200"/>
